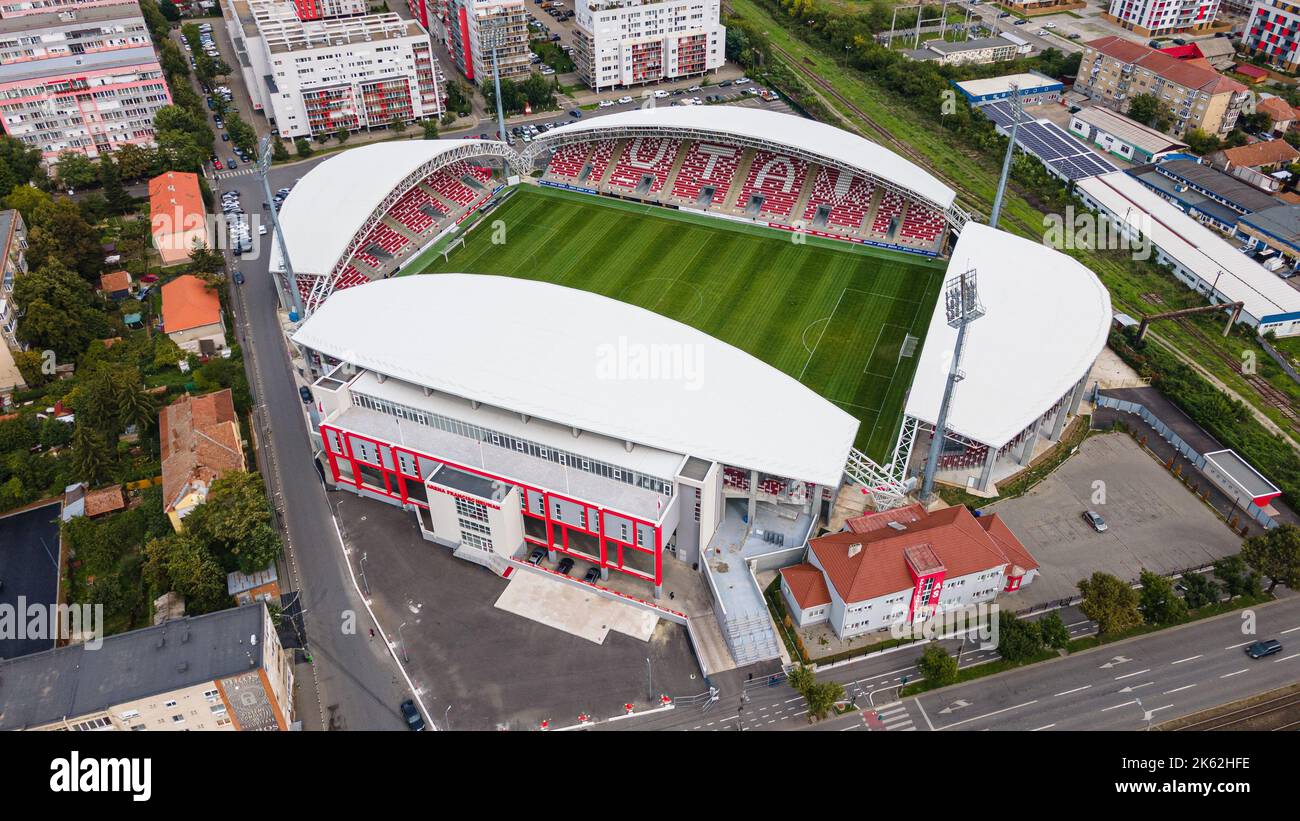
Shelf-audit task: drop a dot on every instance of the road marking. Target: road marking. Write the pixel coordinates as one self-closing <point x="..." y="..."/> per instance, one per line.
<point x="1237" y="673"/>
<point x="1287" y="658"/>
<point x="1133" y="687"/>
<point x="1044" y="727"/>
<point x="1117" y="706"/>
<point x="1292" y="630"/>
<point x="925" y="715"/>
<point x="1178" y="689"/>
<point x="1189" y="658"/>
<point x="986" y="715"/>
<point x="1129" y="675"/>
<point x="1235" y="646"/>
<point x="1075" y="624"/>
<point x="1075" y="690"/>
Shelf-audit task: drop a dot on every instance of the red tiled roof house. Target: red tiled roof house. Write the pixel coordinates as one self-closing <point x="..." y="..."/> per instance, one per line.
<point x="904" y="565"/>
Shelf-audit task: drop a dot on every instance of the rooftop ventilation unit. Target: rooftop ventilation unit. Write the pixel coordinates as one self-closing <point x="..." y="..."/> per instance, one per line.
<point x="899" y="526"/>
<point x="855" y="549"/>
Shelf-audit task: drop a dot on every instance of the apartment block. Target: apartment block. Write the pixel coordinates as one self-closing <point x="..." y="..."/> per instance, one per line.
<point x="1273" y="30"/>
<point x="1153" y="17"/>
<point x="319" y="76"/>
<point x="84" y="79"/>
<point x="1113" y="71"/>
<point x="474" y="26"/>
<point x="630" y="42"/>
<point x="220" y="671"/>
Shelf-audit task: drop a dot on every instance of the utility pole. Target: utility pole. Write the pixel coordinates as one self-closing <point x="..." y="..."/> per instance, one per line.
<point x="263" y="171"/>
<point x="494" y="32"/>
<point x="962" y="306"/>
<point x="1017" y="110"/>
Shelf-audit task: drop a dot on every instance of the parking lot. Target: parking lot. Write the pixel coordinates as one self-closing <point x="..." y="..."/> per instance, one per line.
<point x="29" y="567"/>
<point x="495" y="669"/>
<point x="1153" y="521"/>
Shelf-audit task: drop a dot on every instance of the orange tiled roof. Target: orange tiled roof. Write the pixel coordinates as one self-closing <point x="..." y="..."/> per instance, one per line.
<point x="1183" y="72"/>
<point x="807" y="584"/>
<point x="1277" y="109"/>
<point x="188" y="302"/>
<point x="1267" y="152"/>
<point x="200" y="442"/>
<point x="116" y="281"/>
<point x="172" y="191"/>
<point x="961" y="543"/>
<point x="105" y="500"/>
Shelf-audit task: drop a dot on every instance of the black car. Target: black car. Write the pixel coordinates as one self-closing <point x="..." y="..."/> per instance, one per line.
<point x="575" y="114"/>
<point x="565" y="565"/>
<point x="537" y="555"/>
<point x="411" y="714"/>
<point x="239" y="280"/>
<point x="1264" y="648"/>
<point x="593" y="575"/>
<point x="305" y="393"/>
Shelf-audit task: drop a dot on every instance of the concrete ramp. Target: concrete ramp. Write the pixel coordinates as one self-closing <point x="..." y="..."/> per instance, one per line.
<point x="573" y="609"/>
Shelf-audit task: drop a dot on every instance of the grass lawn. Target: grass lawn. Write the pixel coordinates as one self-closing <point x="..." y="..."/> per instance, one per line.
<point x="832" y="315"/>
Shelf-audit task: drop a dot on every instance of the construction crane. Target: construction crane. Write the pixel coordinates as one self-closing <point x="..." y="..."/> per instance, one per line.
<point x="1236" y="314"/>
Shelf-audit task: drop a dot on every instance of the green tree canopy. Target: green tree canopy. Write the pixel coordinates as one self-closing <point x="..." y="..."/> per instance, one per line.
<point x="1275" y="555"/>
<point x="1158" y="601"/>
<point x="1110" y="602"/>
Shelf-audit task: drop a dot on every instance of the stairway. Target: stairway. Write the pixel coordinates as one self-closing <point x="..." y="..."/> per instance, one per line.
<point x="399" y="228"/>
<point x="801" y="204"/>
<point x="682" y="150"/>
<point x="738" y="180"/>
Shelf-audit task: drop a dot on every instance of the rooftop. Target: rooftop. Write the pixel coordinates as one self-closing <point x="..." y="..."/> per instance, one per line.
<point x="74" y="681"/>
<point x="1025" y="81"/>
<point x="91" y="61"/>
<point x="200" y="442"/>
<point x="1265" y="152"/>
<point x="1245" y="196"/>
<point x="1281" y="222"/>
<point x="188" y="302"/>
<point x="105" y="500"/>
<point x="1130" y="131"/>
<point x="1247" y="478"/>
<point x="1177" y="71"/>
<point x="116" y="281"/>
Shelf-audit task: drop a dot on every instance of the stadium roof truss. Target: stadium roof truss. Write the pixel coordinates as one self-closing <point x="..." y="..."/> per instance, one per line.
<point x="556" y="138"/>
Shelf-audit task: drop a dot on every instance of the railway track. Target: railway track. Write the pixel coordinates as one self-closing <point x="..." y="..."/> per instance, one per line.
<point x="1262" y="386"/>
<point x="1237" y="718"/>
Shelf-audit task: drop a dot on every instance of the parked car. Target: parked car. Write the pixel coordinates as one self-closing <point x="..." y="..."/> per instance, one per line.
<point x="1264" y="648"/>
<point x="660" y="94"/>
<point x="606" y="103"/>
<point x="592" y="576"/>
<point x="305" y="393"/>
<point x="216" y="164"/>
<point x="537" y="555"/>
<point x="239" y="278"/>
<point x="624" y="100"/>
<point x="411" y="714"/>
<point x="1094" y="520"/>
<point x="575" y="114"/>
<point x="565" y="565"/>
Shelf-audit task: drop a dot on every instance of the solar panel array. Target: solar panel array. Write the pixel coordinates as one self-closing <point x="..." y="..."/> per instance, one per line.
<point x="1050" y="143"/>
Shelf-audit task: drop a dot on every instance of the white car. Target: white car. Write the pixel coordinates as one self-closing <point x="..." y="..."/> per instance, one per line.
<point x="261" y="230"/>
<point x="742" y="81"/>
<point x="1049" y="25"/>
<point x="692" y="89"/>
<point x="606" y="103"/>
<point x="1041" y="32"/>
<point x="547" y="71"/>
<point x="624" y="100"/>
<point x="660" y="94"/>
<point x="696" y="101"/>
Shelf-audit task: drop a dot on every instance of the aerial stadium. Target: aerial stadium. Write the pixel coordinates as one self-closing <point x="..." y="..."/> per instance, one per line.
<point x="662" y="335"/>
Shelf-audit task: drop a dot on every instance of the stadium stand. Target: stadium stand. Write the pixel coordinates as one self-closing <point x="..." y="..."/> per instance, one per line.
<point x="848" y="196"/>
<point x="921" y="223"/>
<point x="645" y="156"/>
<point x="449" y="186"/>
<point x="891" y="205"/>
<point x="777" y="178"/>
<point x="599" y="159"/>
<point x="706" y="164"/>
<point x="412" y="210"/>
<point x="568" y="160"/>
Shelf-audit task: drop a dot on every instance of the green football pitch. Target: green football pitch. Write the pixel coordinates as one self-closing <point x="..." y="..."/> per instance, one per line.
<point x="835" y="316"/>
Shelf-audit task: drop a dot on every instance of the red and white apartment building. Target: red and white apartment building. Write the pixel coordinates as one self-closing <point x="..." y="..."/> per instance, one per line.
<point x="470" y="27"/>
<point x="502" y="433"/>
<point x="19" y="8"/>
<point x="904" y="566"/>
<point x="1273" y="29"/>
<point x="631" y="42"/>
<point x="1154" y="17"/>
<point x="319" y="76"/>
<point x="83" y="79"/>
<point x="322" y="9"/>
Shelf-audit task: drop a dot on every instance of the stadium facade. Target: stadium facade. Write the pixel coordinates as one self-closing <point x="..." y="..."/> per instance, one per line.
<point x="506" y="435"/>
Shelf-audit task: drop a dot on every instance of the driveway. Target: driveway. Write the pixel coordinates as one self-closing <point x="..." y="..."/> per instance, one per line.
<point x="1154" y="521"/>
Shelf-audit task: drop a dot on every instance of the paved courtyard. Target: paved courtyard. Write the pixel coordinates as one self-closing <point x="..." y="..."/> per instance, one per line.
<point x="1154" y="522"/>
<point x="495" y="669"/>
<point x="29" y="568"/>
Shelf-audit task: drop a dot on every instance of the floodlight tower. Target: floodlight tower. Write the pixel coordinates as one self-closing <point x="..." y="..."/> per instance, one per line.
<point x="962" y="305"/>
<point x="494" y="36"/>
<point x="263" y="171"/>
<point x="1016" y="111"/>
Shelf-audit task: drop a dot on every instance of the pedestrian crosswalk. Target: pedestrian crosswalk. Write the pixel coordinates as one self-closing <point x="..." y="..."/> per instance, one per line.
<point x="889" y="717"/>
<point x="238" y="172"/>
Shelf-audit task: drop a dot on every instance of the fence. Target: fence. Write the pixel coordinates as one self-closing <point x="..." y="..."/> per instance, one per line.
<point x="1280" y="359"/>
<point x="1177" y="442"/>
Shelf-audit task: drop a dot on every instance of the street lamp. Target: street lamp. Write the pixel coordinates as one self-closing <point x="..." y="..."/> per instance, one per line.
<point x="263" y="171"/>
<point x="361" y="566"/>
<point x="402" y="641"/>
<point x="446" y="718"/>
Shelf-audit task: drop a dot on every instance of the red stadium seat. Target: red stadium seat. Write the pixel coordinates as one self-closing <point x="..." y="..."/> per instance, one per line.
<point x="778" y="178"/>
<point x="922" y="224"/>
<point x="644" y="156"/>
<point x="706" y="164"/>
<point x="847" y="195"/>
<point x="568" y="160"/>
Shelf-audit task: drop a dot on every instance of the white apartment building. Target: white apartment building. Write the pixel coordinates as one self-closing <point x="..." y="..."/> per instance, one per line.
<point x="19" y="8"/>
<point x="1273" y="29"/>
<point x="1152" y="17"/>
<point x="314" y="77"/>
<point x="630" y="42"/>
<point x="472" y="26"/>
<point x="85" y="80"/>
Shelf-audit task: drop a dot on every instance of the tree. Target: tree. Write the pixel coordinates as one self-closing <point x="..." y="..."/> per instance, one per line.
<point x="821" y="698"/>
<point x="278" y="152"/>
<point x="1199" y="142"/>
<point x="1110" y="602"/>
<point x="1149" y="109"/>
<point x="1198" y="591"/>
<point x="342" y="135"/>
<point x="398" y="125"/>
<point x="234" y="523"/>
<point x="430" y="129"/>
<point x="938" y="668"/>
<point x="1275" y="554"/>
<point x="1053" y="630"/>
<point x="60" y="311"/>
<point x="133" y="161"/>
<point x="22" y="160"/>
<point x="1018" y="640"/>
<point x="1237" y="578"/>
<point x="206" y="260"/>
<point x="135" y="406"/>
<point x="181" y="563"/>
<point x="241" y="133"/>
<point x="91" y="456"/>
<point x="110" y="175"/>
<point x="169" y="10"/>
<point x="29" y="201"/>
<point x="62" y="233"/>
<point x="1158" y="601"/>
<point x="75" y="170"/>
<point x="303" y="146"/>
<point x="801" y="678"/>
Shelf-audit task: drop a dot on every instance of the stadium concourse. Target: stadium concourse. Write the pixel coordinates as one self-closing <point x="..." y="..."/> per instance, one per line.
<point x="483" y="408"/>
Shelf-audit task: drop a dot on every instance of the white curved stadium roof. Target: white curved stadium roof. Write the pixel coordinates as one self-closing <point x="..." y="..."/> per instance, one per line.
<point x="1047" y="317"/>
<point x="332" y="201"/>
<point x="571" y="357"/>
<point x="756" y="123"/>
